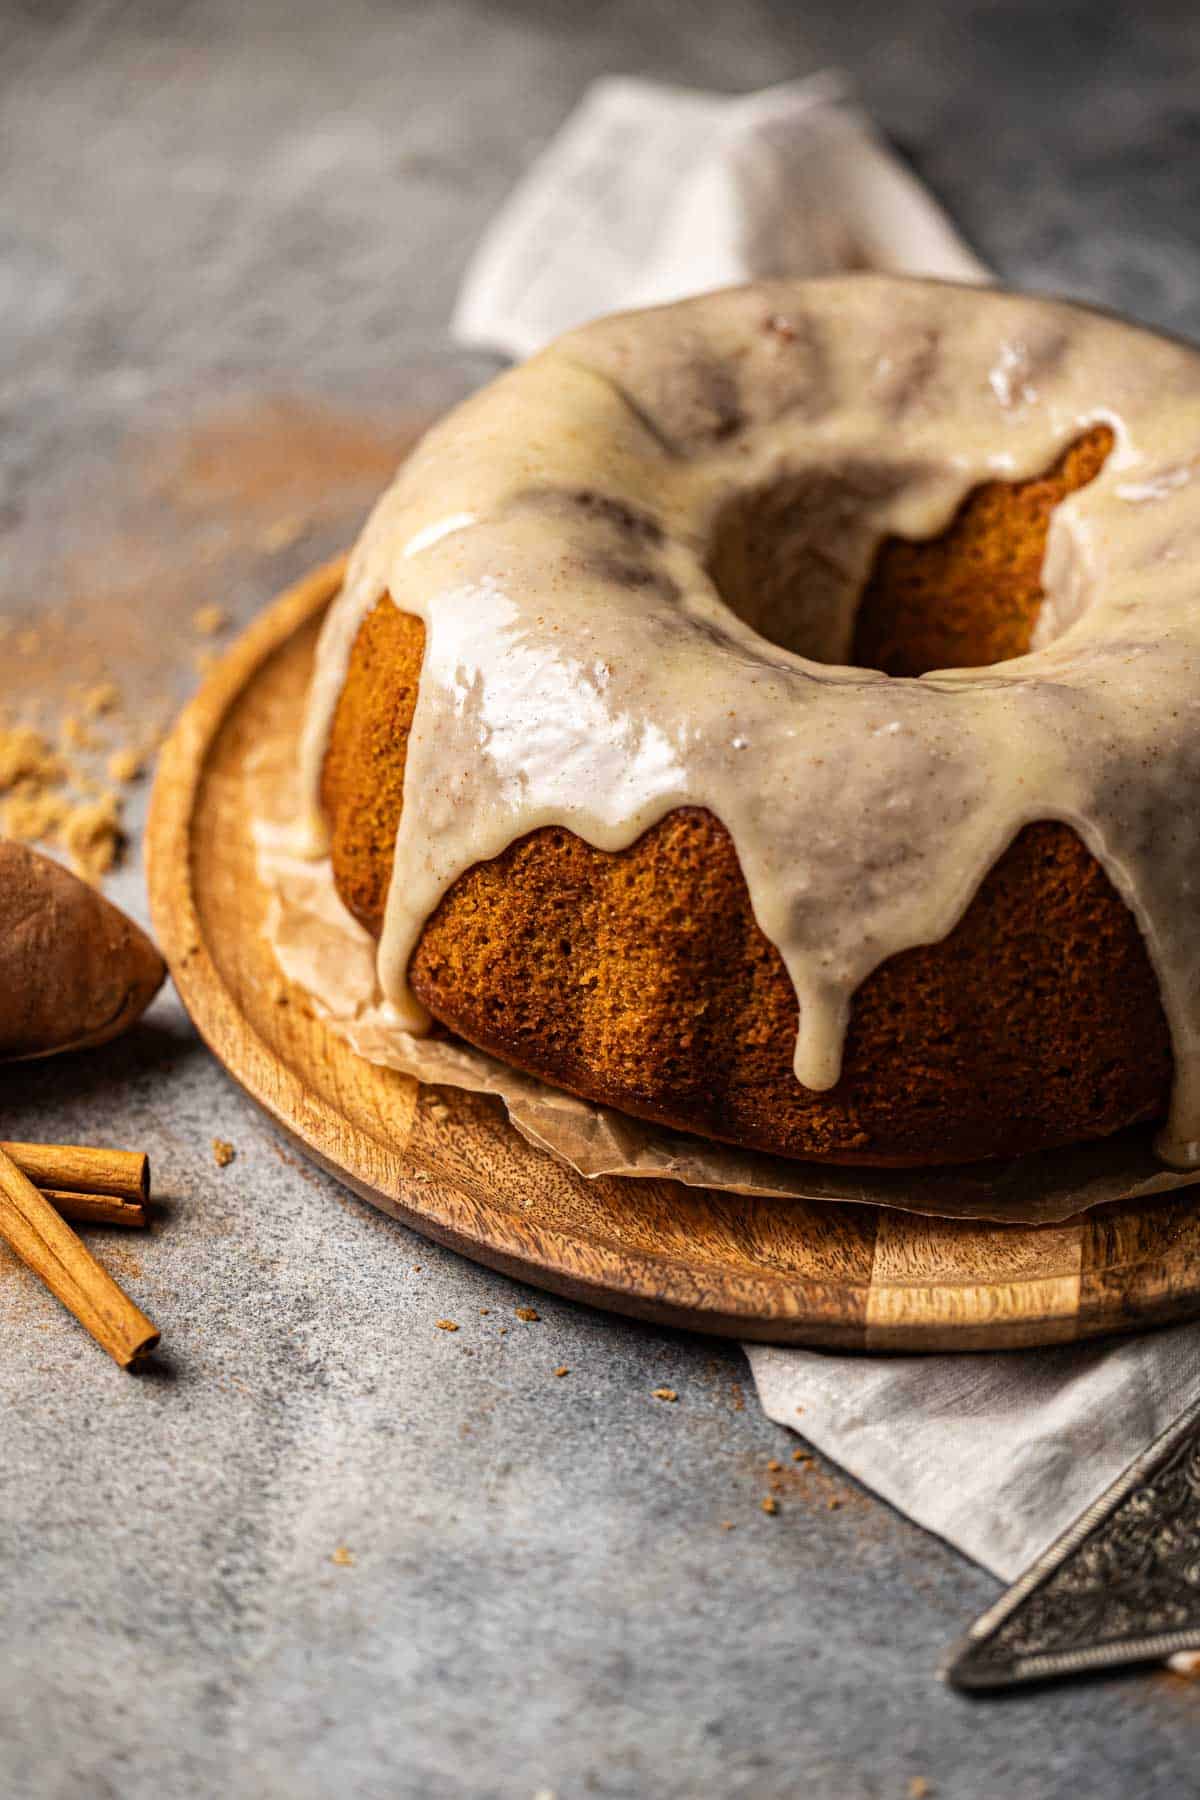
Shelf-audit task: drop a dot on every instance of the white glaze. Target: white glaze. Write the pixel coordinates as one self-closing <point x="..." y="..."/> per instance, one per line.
<point x="582" y="670"/>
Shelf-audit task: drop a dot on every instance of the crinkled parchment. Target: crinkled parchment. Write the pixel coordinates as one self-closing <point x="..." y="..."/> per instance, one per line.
<point x="321" y="948"/>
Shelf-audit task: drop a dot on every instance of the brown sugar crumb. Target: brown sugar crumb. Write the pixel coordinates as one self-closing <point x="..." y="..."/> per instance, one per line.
<point x="343" y="1557"/>
<point x="210" y="621"/>
<point x="282" y="534"/>
<point x="562" y="1370"/>
<point x="74" y="734"/>
<point x="124" y="766"/>
<point x="803" y="1456"/>
<point x="834" y="1502"/>
<point x="919" y="1788"/>
<point x="527" y="1313"/>
<point x="726" y="1524"/>
<point x="484" y="1311"/>
<point x="769" y="1505"/>
<point x="105" y="697"/>
<point x="445" y="1325"/>
<point x="774" y="1465"/>
<point x="665" y="1393"/>
<point x="91" y="834"/>
<point x="25" y="755"/>
<point x="31" y="814"/>
<point x="223" y="1153"/>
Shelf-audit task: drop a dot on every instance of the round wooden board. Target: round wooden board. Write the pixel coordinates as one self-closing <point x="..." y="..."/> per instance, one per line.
<point x="449" y="1164"/>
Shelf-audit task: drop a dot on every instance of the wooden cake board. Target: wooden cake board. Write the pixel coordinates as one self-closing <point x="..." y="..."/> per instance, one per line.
<point x="447" y="1163"/>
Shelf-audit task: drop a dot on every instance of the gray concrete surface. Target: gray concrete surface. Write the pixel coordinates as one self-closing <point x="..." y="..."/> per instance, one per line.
<point x="215" y="213"/>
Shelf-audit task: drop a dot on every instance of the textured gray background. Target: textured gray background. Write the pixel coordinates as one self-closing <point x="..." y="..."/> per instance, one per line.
<point x="251" y="204"/>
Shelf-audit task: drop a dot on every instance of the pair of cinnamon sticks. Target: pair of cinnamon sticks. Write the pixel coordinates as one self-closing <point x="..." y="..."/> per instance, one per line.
<point x="44" y="1185"/>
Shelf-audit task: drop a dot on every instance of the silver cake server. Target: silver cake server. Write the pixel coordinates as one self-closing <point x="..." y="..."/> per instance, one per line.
<point x="1121" y="1585"/>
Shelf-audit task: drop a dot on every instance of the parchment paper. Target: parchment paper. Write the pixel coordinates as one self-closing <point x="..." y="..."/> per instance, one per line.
<point x="321" y="948"/>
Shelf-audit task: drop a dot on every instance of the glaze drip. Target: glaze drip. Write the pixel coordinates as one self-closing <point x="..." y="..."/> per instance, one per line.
<point x="559" y="537"/>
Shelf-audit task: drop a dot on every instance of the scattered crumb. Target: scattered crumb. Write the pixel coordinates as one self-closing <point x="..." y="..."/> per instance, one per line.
<point x="769" y="1505"/>
<point x="504" y="1331"/>
<point x="342" y="1557"/>
<point x="562" y="1370"/>
<point x="281" y="535"/>
<point x="834" y="1502"/>
<point x="416" y="1268"/>
<point x="799" y="1409"/>
<point x="91" y="834"/>
<point x="74" y="735"/>
<point x="25" y="755"/>
<point x="802" y="1456"/>
<point x="32" y="815"/>
<point x="726" y="1524"/>
<point x="484" y="1311"/>
<point x="527" y="1313"/>
<point x="919" y="1788"/>
<point x="446" y="1325"/>
<point x="209" y="621"/>
<point x="124" y="765"/>
<point x="774" y="1465"/>
<point x="223" y="1152"/>
<point x="665" y="1393"/>
<point x="105" y="697"/>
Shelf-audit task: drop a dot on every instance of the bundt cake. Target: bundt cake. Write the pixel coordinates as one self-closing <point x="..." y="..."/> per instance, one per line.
<point x="776" y="715"/>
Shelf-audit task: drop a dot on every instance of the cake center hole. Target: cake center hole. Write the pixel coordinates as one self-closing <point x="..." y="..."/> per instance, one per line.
<point x="787" y="559"/>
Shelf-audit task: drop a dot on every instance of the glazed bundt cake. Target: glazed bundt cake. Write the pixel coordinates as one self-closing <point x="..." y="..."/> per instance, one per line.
<point x="775" y="715"/>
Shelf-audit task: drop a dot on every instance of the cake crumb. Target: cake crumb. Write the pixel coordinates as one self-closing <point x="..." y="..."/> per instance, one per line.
<point x="774" y="1465"/>
<point x="919" y="1788"/>
<point x="104" y="697"/>
<point x="834" y="1502"/>
<point x="223" y="1152"/>
<point x="25" y="755"/>
<point x="666" y="1393"/>
<point x="91" y="834"/>
<point x="343" y="1557"/>
<point x="726" y="1524"/>
<point x="445" y="1325"/>
<point x="562" y="1370"/>
<point x="769" y="1505"/>
<point x="282" y="534"/>
<point x="73" y="734"/>
<point x="799" y="1409"/>
<point x="803" y="1456"/>
<point x="210" y="621"/>
<point x="527" y="1313"/>
<point x="32" y="815"/>
<point x="124" y="765"/>
<point x="484" y="1311"/>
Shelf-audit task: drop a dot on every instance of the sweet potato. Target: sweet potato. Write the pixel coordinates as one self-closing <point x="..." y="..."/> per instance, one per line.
<point x="74" y="971"/>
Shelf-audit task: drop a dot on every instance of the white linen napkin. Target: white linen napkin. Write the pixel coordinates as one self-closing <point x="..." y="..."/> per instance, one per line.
<point x="647" y="194"/>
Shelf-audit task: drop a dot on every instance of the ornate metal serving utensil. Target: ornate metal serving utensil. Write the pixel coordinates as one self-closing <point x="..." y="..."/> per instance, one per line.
<point x="1121" y="1585"/>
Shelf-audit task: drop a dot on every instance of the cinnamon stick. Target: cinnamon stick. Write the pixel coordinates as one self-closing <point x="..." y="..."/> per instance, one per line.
<point x="96" y="1209"/>
<point x="80" y="1170"/>
<point x="32" y="1228"/>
